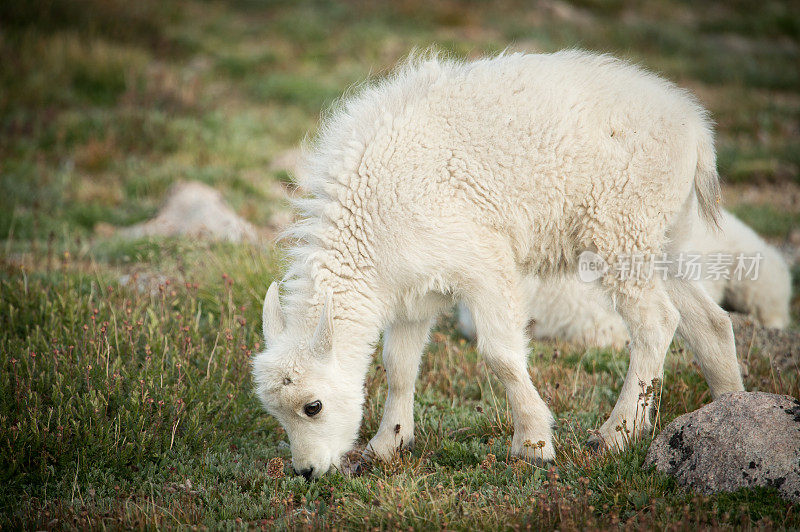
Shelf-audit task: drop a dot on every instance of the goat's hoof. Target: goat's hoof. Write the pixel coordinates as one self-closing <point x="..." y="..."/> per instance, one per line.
<point x="536" y="461"/>
<point x="355" y="463"/>
<point x="375" y="452"/>
<point x="596" y="444"/>
<point x="543" y="464"/>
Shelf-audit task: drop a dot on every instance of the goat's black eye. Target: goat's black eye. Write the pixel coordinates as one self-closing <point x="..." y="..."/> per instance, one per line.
<point x="312" y="409"/>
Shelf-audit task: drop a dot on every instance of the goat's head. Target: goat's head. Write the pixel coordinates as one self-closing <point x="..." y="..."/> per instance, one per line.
<point x="300" y="381"/>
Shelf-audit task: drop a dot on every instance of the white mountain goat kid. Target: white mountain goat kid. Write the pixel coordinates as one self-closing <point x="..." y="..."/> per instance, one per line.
<point x="567" y="308"/>
<point x="452" y="182"/>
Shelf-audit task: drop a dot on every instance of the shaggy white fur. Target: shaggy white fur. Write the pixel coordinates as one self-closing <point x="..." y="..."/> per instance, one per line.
<point x="455" y="181"/>
<point x="581" y="313"/>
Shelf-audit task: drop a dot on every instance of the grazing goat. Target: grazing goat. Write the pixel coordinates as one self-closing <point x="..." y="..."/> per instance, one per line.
<point x="454" y="181"/>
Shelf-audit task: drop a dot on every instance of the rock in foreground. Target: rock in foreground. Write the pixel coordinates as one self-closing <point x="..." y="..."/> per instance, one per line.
<point x="741" y="440"/>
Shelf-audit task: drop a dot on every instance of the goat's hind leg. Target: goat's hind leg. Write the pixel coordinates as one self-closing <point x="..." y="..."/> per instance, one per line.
<point x="707" y="329"/>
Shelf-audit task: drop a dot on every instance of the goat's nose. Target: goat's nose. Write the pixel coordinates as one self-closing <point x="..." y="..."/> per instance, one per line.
<point x="306" y="473"/>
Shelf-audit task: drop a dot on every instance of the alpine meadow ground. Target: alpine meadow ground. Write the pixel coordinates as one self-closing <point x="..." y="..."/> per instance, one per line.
<point x="125" y="389"/>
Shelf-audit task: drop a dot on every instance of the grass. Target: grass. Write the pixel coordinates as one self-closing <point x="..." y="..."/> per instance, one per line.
<point x="130" y="405"/>
<point x="125" y="394"/>
<point x="767" y="220"/>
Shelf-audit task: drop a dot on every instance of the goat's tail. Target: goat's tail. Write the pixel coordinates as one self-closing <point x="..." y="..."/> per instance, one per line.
<point x="706" y="182"/>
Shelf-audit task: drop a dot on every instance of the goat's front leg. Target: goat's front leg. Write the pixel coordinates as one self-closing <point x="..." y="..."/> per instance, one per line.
<point x="533" y="422"/>
<point x="403" y="345"/>
<point x="500" y="323"/>
<point x="651" y="319"/>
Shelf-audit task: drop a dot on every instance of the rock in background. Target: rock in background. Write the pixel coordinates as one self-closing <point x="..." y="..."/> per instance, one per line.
<point x="741" y="440"/>
<point x="781" y="346"/>
<point x="196" y="210"/>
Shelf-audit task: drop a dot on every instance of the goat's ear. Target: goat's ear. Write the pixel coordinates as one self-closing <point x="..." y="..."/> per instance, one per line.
<point x="323" y="336"/>
<point x="272" y="316"/>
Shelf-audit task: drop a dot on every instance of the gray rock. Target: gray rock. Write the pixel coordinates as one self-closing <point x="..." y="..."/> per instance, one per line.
<point x="741" y="440"/>
<point x="196" y="210"/>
